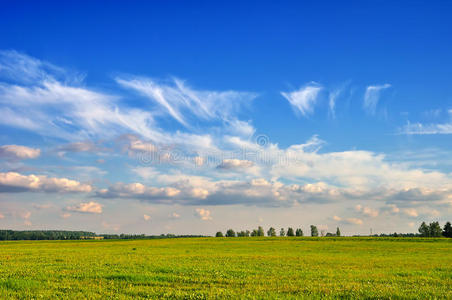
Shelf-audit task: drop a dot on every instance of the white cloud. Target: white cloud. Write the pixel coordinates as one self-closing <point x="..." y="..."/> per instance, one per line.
<point x="203" y="214"/>
<point x="65" y="215"/>
<point x="332" y="101"/>
<point x="86" y="146"/>
<point x="175" y="215"/>
<point x="235" y="164"/>
<point x="86" y="207"/>
<point x="367" y="211"/>
<point x="304" y="99"/>
<point x="110" y="226"/>
<point x="181" y="101"/>
<point x="372" y="96"/>
<point x="392" y="208"/>
<point x="354" y="221"/>
<point x="42" y="206"/>
<point x="411" y="212"/>
<point x="426" y="129"/>
<point x="19" y="152"/>
<point x="15" y="182"/>
<point x="348" y="221"/>
<point x="62" y="107"/>
<point x="336" y="218"/>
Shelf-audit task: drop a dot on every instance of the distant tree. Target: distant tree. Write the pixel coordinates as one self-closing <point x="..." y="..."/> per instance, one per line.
<point x="338" y="232"/>
<point x="271" y="232"/>
<point x="282" y="232"/>
<point x="299" y="232"/>
<point x="230" y="233"/>
<point x="240" y="233"/>
<point x="260" y="231"/>
<point x="447" y="232"/>
<point x="290" y="232"/>
<point x="322" y="232"/>
<point x="247" y="233"/>
<point x="330" y="234"/>
<point x="254" y="232"/>
<point x="424" y="230"/>
<point x="435" y="229"/>
<point x="314" y="231"/>
<point x="219" y="234"/>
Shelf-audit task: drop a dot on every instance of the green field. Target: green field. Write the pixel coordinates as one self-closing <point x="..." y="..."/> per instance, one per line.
<point x="196" y="268"/>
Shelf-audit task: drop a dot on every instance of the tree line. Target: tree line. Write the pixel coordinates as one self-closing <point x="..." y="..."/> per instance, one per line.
<point x="15" y="235"/>
<point x="44" y="235"/>
<point x="272" y="232"/>
<point x="431" y="230"/>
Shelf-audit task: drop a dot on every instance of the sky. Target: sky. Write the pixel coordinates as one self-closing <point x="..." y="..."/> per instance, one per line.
<point x="193" y="117"/>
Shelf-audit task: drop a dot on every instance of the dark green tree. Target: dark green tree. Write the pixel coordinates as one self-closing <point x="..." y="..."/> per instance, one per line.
<point x="271" y="232"/>
<point x="230" y="233"/>
<point x="424" y="230"/>
<point x="435" y="229"/>
<point x="260" y="231"/>
<point x="314" y="231"/>
<point x="282" y="232"/>
<point x="254" y="232"/>
<point x="447" y="231"/>
<point x="219" y="234"/>
<point x="338" y="232"/>
<point x="290" y="232"/>
<point x="299" y="232"/>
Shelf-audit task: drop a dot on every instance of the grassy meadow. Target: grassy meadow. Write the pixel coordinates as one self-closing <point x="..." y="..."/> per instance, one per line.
<point x="198" y="268"/>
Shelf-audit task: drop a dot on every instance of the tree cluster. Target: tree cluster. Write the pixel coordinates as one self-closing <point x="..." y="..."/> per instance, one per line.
<point x="272" y="232"/>
<point x="434" y="230"/>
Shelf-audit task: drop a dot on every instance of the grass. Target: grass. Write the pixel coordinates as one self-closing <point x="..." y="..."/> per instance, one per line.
<point x="198" y="268"/>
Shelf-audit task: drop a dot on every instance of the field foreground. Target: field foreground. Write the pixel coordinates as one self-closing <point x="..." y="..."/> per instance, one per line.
<point x="228" y="267"/>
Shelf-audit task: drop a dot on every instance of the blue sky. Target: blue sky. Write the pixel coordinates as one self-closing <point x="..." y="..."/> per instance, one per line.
<point x="172" y="116"/>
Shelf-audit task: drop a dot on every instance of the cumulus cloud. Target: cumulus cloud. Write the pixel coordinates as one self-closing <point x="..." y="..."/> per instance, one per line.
<point x="348" y="221"/>
<point x="411" y="212"/>
<point x="354" y="221"/>
<point x="86" y="146"/>
<point x="229" y="164"/>
<point x="175" y="215"/>
<point x="15" y="182"/>
<point x="337" y="218"/>
<point x="203" y="214"/>
<point x="390" y="208"/>
<point x="304" y="99"/>
<point x="364" y="170"/>
<point x="42" y="206"/>
<point x="367" y="211"/>
<point x="139" y="191"/>
<point x="65" y="215"/>
<point x="18" y="152"/>
<point x="86" y="207"/>
<point x="372" y="97"/>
